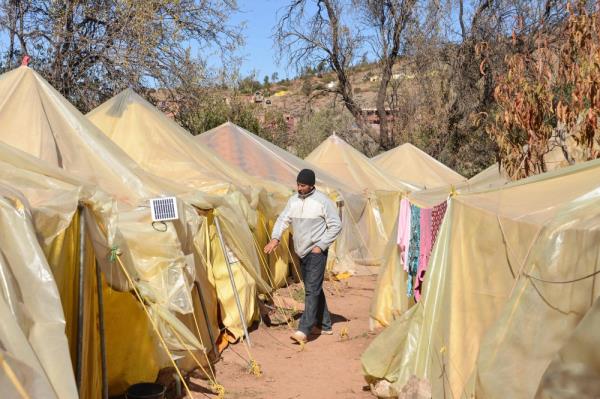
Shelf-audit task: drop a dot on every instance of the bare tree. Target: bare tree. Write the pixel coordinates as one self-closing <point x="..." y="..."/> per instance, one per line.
<point x="88" y="49"/>
<point x="387" y="19"/>
<point x="310" y="32"/>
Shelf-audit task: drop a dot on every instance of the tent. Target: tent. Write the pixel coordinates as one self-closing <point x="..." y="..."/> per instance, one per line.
<point x="164" y="260"/>
<point x="574" y="371"/>
<point x="264" y="160"/>
<point x="506" y="262"/>
<point x="410" y="164"/>
<point x="381" y="190"/>
<point x="162" y="147"/>
<point x="389" y="300"/>
<point x="352" y="167"/>
<point x="34" y="351"/>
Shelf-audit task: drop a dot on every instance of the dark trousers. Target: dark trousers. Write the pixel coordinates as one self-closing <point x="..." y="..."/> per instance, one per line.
<point x="312" y="267"/>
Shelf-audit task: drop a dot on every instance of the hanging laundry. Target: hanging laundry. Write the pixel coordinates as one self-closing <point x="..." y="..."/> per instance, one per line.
<point x="404" y="231"/>
<point x="425" y="246"/>
<point x="413" y="249"/>
<point x="437" y="217"/>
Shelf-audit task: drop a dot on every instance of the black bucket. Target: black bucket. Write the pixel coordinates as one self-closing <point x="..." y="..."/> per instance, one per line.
<point x="146" y="390"/>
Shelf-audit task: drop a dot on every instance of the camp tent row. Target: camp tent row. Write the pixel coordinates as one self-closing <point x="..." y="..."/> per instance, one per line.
<point x="511" y="278"/>
<point x="266" y="161"/>
<point x="166" y="262"/>
<point x="133" y="152"/>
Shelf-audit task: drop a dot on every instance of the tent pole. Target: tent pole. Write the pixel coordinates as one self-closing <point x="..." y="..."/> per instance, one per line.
<point x="205" y="312"/>
<point x="82" y="254"/>
<point x="102" y="332"/>
<point x="233" y="286"/>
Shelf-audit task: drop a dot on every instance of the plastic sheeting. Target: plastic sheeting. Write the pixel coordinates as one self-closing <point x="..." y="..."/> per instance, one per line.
<point x="352" y="167"/>
<point x="481" y="314"/>
<point x="154" y="141"/>
<point x="575" y="370"/>
<point x="34" y="347"/>
<point x="59" y="134"/>
<point x="389" y="299"/>
<point x="54" y="197"/>
<point x="164" y="148"/>
<point x="410" y="164"/>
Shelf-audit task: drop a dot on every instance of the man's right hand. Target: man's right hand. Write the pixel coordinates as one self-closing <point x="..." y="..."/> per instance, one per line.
<point x="271" y="246"/>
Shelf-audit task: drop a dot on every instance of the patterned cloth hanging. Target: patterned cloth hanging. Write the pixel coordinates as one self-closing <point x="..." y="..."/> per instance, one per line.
<point x="437" y="217"/>
<point x="413" y="250"/>
<point x="425" y="246"/>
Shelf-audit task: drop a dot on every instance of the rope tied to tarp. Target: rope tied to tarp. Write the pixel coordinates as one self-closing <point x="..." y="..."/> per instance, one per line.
<point x="218" y="388"/>
<point x="113" y="254"/>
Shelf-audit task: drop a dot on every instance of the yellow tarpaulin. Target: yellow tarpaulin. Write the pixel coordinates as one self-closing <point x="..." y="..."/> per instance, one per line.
<point x="34" y="351"/>
<point x="505" y="263"/>
<point x="60" y="135"/>
<point x="410" y="164"/>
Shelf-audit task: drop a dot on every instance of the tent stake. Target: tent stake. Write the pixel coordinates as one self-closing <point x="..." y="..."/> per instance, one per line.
<point x="233" y="286"/>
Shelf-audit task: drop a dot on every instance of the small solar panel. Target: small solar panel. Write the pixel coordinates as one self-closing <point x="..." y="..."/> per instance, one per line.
<point x="163" y="209"/>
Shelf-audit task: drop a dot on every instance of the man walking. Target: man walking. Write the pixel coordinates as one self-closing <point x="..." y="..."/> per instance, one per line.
<point x="316" y="225"/>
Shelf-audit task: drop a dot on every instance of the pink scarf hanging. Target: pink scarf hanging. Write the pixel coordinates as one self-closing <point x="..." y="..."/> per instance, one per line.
<point x="403" y="240"/>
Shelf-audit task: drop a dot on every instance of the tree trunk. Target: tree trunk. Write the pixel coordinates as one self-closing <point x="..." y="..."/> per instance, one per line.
<point x="385" y="139"/>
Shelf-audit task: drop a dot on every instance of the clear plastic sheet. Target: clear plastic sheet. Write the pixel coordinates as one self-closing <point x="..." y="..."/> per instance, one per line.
<point x="32" y="332"/>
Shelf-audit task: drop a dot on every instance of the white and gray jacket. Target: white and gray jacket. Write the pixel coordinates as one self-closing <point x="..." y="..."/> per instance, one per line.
<point x="314" y="219"/>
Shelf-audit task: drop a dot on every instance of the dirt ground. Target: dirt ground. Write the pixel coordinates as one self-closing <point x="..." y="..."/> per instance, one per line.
<point x="327" y="367"/>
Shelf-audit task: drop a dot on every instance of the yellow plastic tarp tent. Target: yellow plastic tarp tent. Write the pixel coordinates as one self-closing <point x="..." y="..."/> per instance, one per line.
<point x="506" y="262"/>
<point x="57" y="133"/>
<point x="54" y="197"/>
<point x="34" y="351"/>
<point x="350" y="166"/>
<point x="410" y="164"/>
<point x="165" y="149"/>
<point x="389" y="299"/>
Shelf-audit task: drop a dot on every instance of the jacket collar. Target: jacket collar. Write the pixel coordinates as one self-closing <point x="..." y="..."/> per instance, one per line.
<point x="304" y="196"/>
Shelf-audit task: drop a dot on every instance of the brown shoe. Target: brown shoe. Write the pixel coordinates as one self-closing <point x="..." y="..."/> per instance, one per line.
<point x="299" y="337"/>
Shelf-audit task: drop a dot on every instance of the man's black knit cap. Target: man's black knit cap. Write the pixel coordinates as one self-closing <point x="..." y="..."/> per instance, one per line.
<point x="306" y="176"/>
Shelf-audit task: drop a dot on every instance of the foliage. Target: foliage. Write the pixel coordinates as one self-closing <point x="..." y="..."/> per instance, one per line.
<point x="211" y="110"/>
<point x="89" y="49"/>
<point x="549" y="99"/>
<point x="314" y="128"/>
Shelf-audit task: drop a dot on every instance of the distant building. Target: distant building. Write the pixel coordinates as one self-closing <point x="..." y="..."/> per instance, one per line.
<point x="331" y="85"/>
<point x="258" y="97"/>
<point x="372" y="117"/>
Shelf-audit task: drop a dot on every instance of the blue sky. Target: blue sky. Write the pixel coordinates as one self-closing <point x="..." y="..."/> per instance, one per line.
<point x="259" y="53"/>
